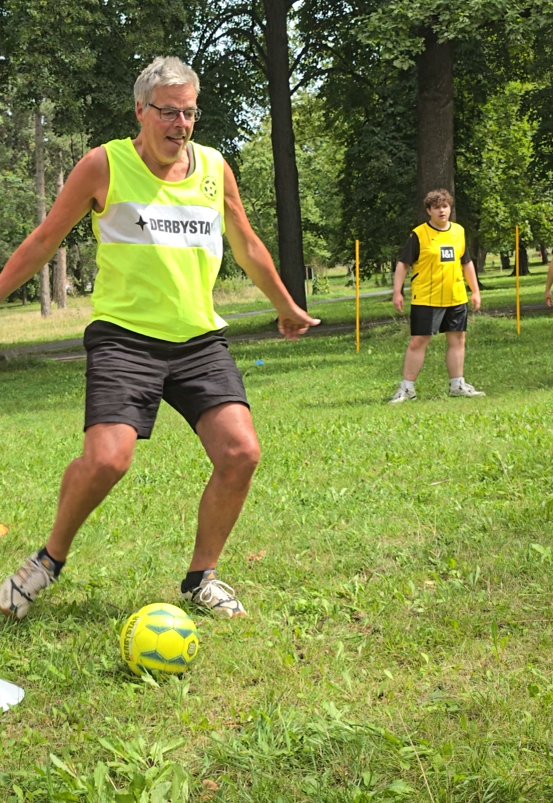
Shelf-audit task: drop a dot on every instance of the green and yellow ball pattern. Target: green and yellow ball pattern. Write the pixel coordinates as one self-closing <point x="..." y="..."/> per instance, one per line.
<point x="161" y="637"/>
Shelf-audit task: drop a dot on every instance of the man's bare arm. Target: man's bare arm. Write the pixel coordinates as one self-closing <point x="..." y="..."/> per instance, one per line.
<point x="88" y="179"/>
<point x="254" y="258"/>
<point x="472" y="281"/>
<point x="402" y="269"/>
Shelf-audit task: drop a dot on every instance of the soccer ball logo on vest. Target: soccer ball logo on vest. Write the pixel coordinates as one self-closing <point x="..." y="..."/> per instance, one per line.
<point x="209" y="187"/>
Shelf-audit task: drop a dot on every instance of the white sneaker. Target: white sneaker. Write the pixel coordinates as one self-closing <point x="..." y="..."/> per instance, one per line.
<point x="464" y="389"/>
<point x="403" y="395"/>
<point x="18" y="592"/>
<point x="215" y="595"/>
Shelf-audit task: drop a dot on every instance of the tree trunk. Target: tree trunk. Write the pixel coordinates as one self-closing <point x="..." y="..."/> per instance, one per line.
<point x="290" y="240"/>
<point x="435" y="154"/>
<point x="75" y="267"/>
<point x="481" y="255"/>
<point x="543" y="252"/>
<point x="60" y="264"/>
<point x="505" y="261"/>
<point x="478" y="258"/>
<point x="522" y="262"/>
<point x="45" y="303"/>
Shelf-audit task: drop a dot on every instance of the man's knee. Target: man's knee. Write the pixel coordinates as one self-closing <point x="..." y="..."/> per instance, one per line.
<point x="239" y="460"/>
<point x="419" y="342"/>
<point x="108" y="465"/>
<point x="456" y="339"/>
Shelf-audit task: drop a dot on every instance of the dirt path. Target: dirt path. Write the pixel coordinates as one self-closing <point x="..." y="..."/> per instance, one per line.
<point x="69" y="350"/>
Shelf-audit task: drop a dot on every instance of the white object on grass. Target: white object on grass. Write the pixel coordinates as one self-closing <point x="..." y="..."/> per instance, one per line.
<point x="10" y="695"/>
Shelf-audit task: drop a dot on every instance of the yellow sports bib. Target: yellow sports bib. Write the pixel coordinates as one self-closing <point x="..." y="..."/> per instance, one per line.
<point x="159" y="246"/>
<point x="437" y="279"/>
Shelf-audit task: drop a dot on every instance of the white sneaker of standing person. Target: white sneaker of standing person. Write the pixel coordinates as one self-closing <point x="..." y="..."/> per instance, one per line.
<point x="461" y="388"/>
<point x="403" y="393"/>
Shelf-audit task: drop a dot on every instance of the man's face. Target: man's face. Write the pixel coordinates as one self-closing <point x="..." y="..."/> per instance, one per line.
<point x="439" y="215"/>
<point x="167" y="140"/>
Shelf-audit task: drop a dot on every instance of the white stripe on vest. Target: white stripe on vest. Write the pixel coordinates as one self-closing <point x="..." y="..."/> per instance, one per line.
<point x="177" y="226"/>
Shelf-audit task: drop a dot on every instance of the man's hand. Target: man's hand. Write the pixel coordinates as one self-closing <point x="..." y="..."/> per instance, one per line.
<point x="293" y="322"/>
<point x="548" y="299"/>
<point x="398" y="301"/>
<point x="475" y="301"/>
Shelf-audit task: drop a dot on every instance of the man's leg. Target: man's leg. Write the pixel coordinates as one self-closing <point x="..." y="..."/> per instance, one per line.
<point x="425" y="321"/>
<point x="455" y="354"/>
<point x="107" y="455"/>
<point x="228" y="436"/>
<point x="229" y="439"/>
<point x="414" y="356"/>
<point x="414" y="359"/>
<point x="455" y="361"/>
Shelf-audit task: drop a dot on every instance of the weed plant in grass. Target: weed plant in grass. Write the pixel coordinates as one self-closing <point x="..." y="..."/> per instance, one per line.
<point x="396" y="564"/>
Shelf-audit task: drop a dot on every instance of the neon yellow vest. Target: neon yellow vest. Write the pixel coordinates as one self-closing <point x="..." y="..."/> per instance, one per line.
<point x="159" y="246"/>
<point x="438" y="279"/>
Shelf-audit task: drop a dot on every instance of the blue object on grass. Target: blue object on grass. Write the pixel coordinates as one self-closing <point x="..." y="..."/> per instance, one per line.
<point x="259" y="362"/>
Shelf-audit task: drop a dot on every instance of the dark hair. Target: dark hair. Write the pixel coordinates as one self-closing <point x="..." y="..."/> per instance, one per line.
<point x="436" y="198"/>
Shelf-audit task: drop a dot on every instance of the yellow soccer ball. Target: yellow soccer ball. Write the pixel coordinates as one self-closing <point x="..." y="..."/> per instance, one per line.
<point x="159" y="636"/>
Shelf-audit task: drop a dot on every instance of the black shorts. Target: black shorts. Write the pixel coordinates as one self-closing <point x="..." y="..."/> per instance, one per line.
<point x="128" y="375"/>
<point x="431" y="320"/>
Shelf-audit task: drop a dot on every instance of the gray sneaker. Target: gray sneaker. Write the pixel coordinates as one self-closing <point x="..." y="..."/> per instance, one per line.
<point x="19" y="591"/>
<point x="464" y="389"/>
<point x="215" y="595"/>
<point x="403" y="395"/>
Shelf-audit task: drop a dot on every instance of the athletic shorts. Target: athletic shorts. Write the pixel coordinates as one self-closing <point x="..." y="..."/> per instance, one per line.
<point x="128" y="374"/>
<point x="431" y="320"/>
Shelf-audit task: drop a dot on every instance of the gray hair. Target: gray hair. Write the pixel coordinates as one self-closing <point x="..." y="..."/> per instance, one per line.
<point x="163" y="71"/>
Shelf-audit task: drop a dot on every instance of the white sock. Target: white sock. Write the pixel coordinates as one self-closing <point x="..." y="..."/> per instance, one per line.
<point x="408" y="385"/>
<point x="457" y="382"/>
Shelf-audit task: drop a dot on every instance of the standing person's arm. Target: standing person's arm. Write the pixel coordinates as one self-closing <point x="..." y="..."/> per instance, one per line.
<point x="72" y="204"/>
<point x="402" y="269"/>
<point x="408" y="257"/>
<point x="470" y="278"/>
<point x="548" y="283"/>
<point x="253" y="257"/>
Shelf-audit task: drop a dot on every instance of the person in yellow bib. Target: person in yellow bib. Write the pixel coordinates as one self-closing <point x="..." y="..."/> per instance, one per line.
<point x="441" y="264"/>
<point x="160" y="206"/>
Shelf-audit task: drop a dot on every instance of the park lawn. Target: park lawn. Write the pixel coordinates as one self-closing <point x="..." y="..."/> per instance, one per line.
<point x="24" y="326"/>
<point x="396" y="563"/>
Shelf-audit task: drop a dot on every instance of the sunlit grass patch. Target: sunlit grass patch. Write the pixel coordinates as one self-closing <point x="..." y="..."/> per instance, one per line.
<point x="396" y="565"/>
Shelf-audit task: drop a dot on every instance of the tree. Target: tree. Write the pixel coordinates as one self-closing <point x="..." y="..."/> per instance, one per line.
<point x="319" y="162"/>
<point x="435" y="152"/>
<point x="502" y="189"/>
<point x="256" y="33"/>
<point x="416" y="54"/>
<point x="60" y="263"/>
<point x="292" y="269"/>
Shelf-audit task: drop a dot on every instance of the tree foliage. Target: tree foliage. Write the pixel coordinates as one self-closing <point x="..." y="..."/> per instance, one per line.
<point x="319" y="162"/>
<point x="352" y="74"/>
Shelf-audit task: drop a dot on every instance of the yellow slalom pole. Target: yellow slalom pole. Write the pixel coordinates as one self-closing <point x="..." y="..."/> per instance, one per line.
<point x="357" y="296"/>
<point x="517" y="274"/>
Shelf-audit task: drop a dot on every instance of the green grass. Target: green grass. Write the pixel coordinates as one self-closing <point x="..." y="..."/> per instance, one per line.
<point x="396" y="564"/>
<point x="16" y="328"/>
<point x="499" y="294"/>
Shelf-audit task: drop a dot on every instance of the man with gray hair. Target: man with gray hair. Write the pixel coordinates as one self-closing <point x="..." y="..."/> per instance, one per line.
<point x="160" y="205"/>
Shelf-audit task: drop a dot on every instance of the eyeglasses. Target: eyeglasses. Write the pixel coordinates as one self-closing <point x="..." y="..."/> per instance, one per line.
<point x="169" y="114"/>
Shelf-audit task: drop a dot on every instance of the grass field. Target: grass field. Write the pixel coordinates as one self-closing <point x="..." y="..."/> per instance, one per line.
<point x="24" y="325"/>
<point x="396" y="564"/>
